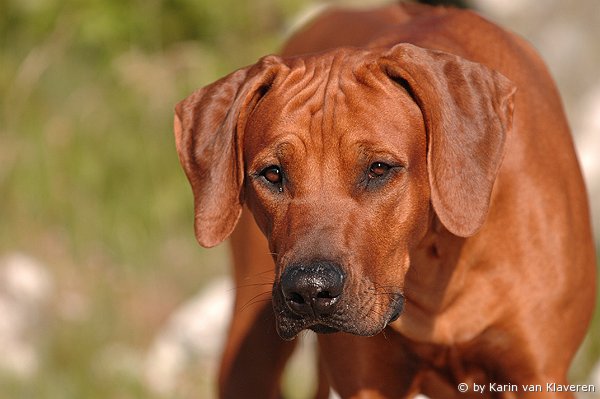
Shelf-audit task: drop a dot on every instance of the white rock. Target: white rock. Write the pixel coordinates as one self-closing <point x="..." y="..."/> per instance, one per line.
<point x="25" y="287"/>
<point x="196" y="330"/>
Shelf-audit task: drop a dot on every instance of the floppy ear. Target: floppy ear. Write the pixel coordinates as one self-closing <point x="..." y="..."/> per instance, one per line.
<point x="467" y="109"/>
<point x="208" y="127"/>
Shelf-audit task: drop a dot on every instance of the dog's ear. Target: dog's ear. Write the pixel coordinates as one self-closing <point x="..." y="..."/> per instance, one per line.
<point x="467" y="109"/>
<point x="208" y="128"/>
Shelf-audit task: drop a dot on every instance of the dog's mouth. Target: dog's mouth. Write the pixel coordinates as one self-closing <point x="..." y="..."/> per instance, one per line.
<point x="353" y="317"/>
<point x="289" y="324"/>
<point x="323" y="329"/>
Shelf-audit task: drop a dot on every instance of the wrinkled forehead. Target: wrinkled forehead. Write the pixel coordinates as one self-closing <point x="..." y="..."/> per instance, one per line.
<point x="330" y="100"/>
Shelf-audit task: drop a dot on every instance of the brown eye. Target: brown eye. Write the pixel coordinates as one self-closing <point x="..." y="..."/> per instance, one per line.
<point x="378" y="169"/>
<point x="272" y="174"/>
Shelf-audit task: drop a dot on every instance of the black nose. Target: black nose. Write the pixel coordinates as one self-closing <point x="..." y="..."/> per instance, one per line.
<point x="312" y="289"/>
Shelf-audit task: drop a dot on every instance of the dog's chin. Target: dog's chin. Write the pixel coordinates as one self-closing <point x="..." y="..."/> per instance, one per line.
<point x="289" y="329"/>
<point x="354" y="319"/>
<point x="289" y="325"/>
<point x="323" y="329"/>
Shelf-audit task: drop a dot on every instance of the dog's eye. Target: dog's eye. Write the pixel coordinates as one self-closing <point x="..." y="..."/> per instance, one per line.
<point x="378" y="169"/>
<point x="272" y="174"/>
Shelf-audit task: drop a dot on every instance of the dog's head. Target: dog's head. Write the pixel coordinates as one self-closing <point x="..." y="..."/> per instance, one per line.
<point x="340" y="157"/>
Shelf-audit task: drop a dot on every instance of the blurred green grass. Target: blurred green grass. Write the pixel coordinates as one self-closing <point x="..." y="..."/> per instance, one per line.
<point x="89" y="178"/>
<point x="90" y="182"/>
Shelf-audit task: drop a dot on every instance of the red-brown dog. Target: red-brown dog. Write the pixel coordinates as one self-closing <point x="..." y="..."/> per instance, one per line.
<point x="420" y="196"/>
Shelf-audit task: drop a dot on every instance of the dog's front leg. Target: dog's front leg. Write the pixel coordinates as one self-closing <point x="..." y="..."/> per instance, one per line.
<point x="376" y="367"/>
<point x="254" y="355"/>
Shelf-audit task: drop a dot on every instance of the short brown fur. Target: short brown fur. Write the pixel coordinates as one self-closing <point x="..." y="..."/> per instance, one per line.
<point x="481" y="227"/>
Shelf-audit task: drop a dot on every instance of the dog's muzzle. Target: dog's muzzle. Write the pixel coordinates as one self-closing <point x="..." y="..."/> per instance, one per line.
<point x="314" y="295"/>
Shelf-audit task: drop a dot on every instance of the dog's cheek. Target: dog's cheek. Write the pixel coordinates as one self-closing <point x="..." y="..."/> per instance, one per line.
<point x="421" y="219"/>
<point x="261" y="213"/>
<point x="404" y="226"/>
<point x="413" y="212"/>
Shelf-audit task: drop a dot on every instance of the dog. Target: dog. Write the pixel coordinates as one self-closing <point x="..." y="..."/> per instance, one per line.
<point x="421" y="206"/>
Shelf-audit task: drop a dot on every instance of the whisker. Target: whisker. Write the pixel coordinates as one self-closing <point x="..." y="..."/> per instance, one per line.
<point x="268" y="283"/>
<point x="255" y="298"/>
<point x="264" y="272"/>
<point x="255" y="302"/>
<point x="384" y="335"/>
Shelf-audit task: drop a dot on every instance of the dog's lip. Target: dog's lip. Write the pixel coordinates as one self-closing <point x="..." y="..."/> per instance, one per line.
<point x="289" y="327"/>
<point x="395" y="316"/>
<point x="323" y="329"/>
<point x="288" y="330"/>
<point x="289" y="324"/>
<point x="399" y="308"/>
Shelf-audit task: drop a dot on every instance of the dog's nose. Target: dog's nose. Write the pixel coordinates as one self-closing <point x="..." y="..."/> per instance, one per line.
<point x="312" y="289"/>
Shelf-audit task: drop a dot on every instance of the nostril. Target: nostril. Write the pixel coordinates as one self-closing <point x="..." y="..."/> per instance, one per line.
<point x="323" y="303"/>
<point x="326" y="295"/>
<point x="296" y="298"/>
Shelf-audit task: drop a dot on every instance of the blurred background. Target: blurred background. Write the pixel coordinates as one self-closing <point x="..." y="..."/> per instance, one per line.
<point x="104" y="292"/>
